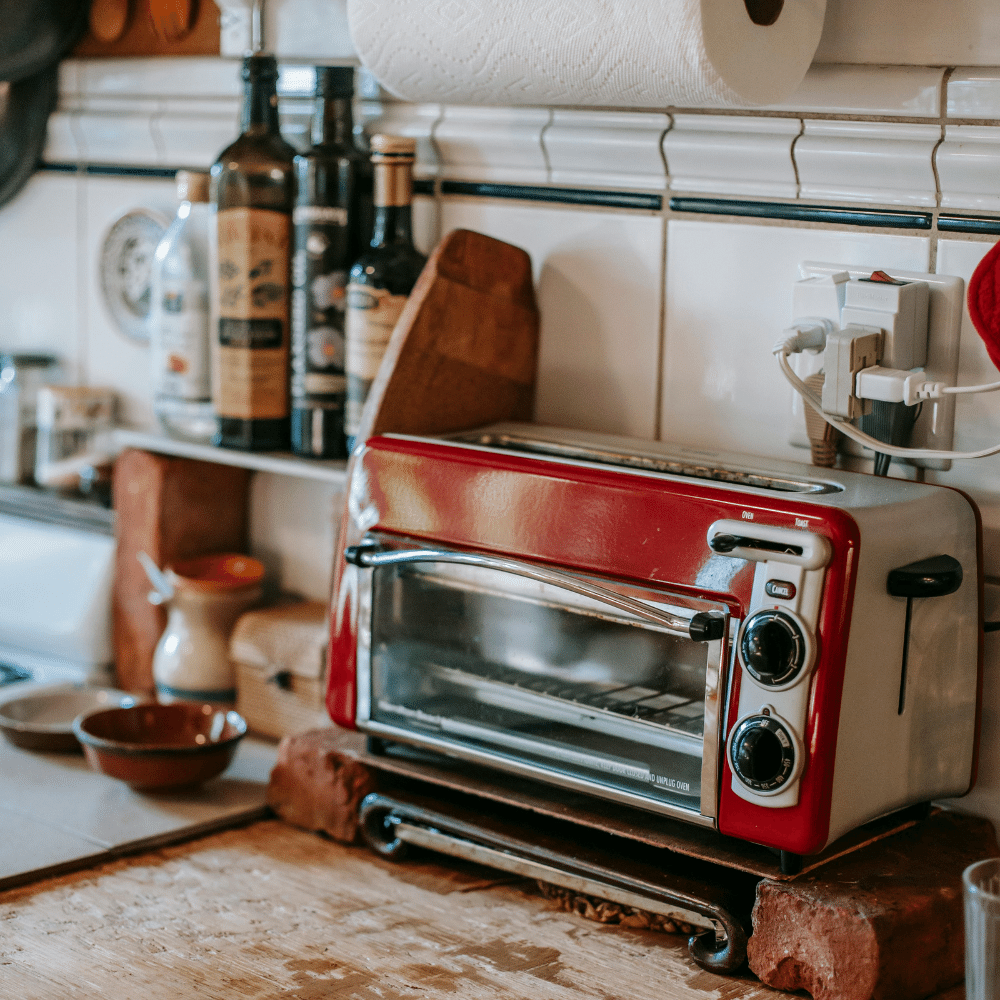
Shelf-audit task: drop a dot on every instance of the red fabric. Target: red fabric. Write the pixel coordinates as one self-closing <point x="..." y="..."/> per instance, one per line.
<point x="984" y="302"/>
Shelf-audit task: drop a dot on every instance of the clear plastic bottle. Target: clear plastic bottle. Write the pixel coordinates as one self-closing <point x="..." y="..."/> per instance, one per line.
<point x="179" y="317"/>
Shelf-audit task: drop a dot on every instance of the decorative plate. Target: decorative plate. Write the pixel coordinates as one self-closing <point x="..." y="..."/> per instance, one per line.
<point x="127" y="266"/>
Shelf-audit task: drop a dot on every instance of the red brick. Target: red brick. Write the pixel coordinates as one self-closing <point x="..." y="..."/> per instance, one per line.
<point x="884" y="922"/>
<point x="316" y="786"/>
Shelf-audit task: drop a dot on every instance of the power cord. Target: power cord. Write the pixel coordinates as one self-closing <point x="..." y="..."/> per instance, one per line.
<point x="806" y="333"/>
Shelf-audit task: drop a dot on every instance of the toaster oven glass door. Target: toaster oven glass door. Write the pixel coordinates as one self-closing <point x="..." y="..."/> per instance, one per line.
<point x="589" y="684"/>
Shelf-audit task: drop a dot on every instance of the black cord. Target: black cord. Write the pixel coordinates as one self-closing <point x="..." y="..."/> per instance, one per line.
<point x="991" y="626"/>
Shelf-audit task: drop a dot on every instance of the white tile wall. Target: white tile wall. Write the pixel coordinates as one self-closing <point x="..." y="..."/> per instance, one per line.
<point x="600" y="149"/>
<point x="416" y="121"/>
<point x="974" y="93"/>
<point x="729" y="296"/>
<point x="109" y="357"/>
<point x="884" y="162"/>
<point x="493" y="144"/>
<point x="39" y="283"/>
<point x="731" y="155"/>
<point x="598" y="276"/>
<point x="968" y="166"/>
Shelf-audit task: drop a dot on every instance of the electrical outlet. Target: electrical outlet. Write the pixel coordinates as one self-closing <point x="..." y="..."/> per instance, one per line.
<point x="826" y="291"/>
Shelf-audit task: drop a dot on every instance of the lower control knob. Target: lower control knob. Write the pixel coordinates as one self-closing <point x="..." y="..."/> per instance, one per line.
<point x="762" y="753"/>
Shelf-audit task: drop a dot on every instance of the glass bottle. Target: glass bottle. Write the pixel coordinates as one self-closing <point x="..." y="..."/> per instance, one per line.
<point x="333" y="183"/>
<point x="179" y="316"/>
<point x="383" y="276"/>
<point x="252" y="187"/>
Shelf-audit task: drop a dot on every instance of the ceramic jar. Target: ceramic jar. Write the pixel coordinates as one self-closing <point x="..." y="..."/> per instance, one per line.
<point x="191" y="661"/>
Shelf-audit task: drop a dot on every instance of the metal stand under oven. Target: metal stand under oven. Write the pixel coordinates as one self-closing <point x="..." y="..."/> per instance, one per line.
<point x="582" y="844"/>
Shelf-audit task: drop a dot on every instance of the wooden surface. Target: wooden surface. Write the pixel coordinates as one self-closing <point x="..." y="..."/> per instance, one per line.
<point x="271" y="911"/>
<point x="464" y="350"/>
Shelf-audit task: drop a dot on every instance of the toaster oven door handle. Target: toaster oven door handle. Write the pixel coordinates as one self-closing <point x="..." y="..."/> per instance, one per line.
<point x="703" y="626"/>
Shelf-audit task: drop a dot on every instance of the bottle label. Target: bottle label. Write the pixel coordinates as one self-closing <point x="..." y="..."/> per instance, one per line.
<point x="319" y="298"/>
<point x="181" y="342"/>
<point x="372" y="314"/>
<point x="251" y="376"/>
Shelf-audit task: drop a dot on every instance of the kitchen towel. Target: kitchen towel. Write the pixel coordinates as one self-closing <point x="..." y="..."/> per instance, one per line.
<point x="595" y="53"/>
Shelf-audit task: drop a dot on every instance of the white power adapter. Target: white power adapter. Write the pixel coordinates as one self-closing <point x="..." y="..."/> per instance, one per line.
<point x="899" y="309"/>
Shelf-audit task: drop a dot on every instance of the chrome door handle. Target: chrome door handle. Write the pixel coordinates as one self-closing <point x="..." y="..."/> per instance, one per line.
<point x="703" y="626"/>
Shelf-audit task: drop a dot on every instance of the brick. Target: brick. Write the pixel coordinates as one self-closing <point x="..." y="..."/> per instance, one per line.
<point x="316" y="786"/>
<point x="882" y="923"/>
<point x="170" y="508"/>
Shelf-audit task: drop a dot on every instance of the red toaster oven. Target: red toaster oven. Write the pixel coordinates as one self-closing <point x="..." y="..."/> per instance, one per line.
<point x="775" y="651"/>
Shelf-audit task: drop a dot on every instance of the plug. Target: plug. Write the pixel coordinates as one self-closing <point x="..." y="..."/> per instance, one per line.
<point x="891" y="385"/>
<point x="848" y="352"/>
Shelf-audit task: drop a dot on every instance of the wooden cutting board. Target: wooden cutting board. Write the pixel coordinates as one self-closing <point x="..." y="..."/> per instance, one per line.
<point x="464" y="351"/>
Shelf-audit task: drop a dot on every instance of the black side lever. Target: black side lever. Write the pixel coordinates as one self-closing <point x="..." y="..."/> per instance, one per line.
<point x="934" y="577"/>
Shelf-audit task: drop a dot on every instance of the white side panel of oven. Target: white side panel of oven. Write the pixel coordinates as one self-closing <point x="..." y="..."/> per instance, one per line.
<point x="884" y="760"/>
<point x="789" y="705"/>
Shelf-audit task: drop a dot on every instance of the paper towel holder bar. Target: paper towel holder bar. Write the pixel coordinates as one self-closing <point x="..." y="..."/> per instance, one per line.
<point x="764" y="12"/>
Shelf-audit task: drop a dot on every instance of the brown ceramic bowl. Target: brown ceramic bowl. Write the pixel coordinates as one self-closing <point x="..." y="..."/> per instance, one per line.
<point x="154" y="746"/>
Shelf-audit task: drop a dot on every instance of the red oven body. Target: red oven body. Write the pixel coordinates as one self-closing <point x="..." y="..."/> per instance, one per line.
<point x="637" y="525"/>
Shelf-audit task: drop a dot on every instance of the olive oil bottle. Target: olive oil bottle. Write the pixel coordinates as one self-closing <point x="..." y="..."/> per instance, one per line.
<point x="383" y="276"/>
<point x="252" y="189"/>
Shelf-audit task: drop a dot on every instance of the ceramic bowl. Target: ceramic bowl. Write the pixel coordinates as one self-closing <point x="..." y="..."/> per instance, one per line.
<point x="156" y="746"/>
<point x="43" y="719"/>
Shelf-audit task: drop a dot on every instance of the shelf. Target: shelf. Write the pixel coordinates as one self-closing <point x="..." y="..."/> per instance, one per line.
<point x="281" y="463"/>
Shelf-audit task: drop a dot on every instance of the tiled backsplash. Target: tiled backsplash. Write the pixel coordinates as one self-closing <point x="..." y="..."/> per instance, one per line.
<point x="664" y="244"/>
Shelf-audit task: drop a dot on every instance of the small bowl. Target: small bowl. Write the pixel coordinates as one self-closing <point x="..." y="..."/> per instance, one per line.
<point x="154" y="746"/>
<point x="43" y="720"/>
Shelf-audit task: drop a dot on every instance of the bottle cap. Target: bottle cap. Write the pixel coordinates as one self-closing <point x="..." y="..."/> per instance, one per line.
<point x="192" y="185"/>
<point x="334" y="81"/>
<point x="392" y="148"/>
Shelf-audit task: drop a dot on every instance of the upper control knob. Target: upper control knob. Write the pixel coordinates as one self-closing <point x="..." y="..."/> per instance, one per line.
<point x="761" y="753"/>
<point x="773" y="647"/>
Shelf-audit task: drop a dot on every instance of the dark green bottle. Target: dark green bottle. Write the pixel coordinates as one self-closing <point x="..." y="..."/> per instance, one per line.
<point x="331" y="224"/>
<point x="383" y="276"/>
<point x="252" y="188"/>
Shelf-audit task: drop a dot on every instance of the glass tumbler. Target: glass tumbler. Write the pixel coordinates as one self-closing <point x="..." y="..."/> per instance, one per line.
<point x="981" y="887"/>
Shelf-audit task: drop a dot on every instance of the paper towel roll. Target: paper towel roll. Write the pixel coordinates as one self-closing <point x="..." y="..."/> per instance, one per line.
<point x="605" y="53"/>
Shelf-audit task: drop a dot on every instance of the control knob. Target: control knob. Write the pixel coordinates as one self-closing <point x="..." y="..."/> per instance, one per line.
<point x="773" y="647"/>
<point x="762" y="753"/>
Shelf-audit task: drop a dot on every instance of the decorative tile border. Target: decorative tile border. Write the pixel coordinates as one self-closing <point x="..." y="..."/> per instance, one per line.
<point x="974" y="93"/>
<point x="968" y="165"/>
<point x="968" y="224"/>
<point x="554" y="195"/>
<point x="493" y="144"/>
<point x="606" y="149"/>
<point x="804" y="213"/>
<point x="888" y="163"/>
<point x="727" y="154"/>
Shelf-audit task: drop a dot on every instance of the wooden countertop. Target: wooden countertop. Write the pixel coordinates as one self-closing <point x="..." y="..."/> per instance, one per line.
<point x="271" y="911"/>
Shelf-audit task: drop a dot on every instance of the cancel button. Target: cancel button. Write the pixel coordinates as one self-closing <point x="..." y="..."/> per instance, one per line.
<point x="781" y="589"/>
